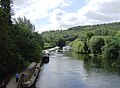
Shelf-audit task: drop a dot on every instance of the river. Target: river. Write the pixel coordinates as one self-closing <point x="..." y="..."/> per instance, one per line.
<point x="71" y="70"/>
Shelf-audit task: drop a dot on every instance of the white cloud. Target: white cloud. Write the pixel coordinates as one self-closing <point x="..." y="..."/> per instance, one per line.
<point x="41" y="28"/>
<point x="66" y="4"/>
<point x="18" y="2"/>
<point x="103" y="10"/>
<point x="37" y="9"/>
<point x="94" y="12"/>
<point x="55" y="17"/>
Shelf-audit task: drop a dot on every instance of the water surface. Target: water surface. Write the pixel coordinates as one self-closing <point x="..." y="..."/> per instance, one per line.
<point x="71" y="70"/>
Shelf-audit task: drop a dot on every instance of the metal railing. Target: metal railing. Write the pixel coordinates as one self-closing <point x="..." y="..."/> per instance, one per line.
<point x="5" y="81"/>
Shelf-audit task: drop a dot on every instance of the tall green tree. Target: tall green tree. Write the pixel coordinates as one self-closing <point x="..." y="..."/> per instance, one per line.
<point x="7" y="45"/>
<point x="60" y="42"/>
<point x="112" y="47"/>
<point x="6" y="6"/>
<point x="29" y="43"/>
<point x="96" y="43"/>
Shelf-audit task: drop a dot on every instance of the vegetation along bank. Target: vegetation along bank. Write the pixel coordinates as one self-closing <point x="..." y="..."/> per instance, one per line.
<point x="97" y="40"/>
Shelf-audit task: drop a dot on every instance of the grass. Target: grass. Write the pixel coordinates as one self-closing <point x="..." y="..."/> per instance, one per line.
<point x="26" y="63"/>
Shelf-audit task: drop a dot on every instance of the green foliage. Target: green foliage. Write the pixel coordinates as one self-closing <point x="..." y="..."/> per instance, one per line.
<point x="118" y="33"/>
<point x="47" y="46"/>
<point x="25" y="23"/>
<point x="112" y="47"/>
<point x="18" y="41"/>
<point x="89" y="39"/>
<point x="78" y="46"/>
<point x="89" y="34"/>
<point x="29" y="43"/>
<point x="53" y="37"/>
<point x="96" y="43"/>
<point x="7" y="44"/>
<point x="104" y="32"/>
<point x="26" y="63"/>
<point x="60" y="42"/>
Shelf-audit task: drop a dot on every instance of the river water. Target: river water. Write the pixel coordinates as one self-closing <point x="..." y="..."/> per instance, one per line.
<point x="71" y="70"/>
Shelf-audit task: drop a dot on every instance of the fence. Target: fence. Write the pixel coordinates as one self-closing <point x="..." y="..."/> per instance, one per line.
<point x="6" y="80"/>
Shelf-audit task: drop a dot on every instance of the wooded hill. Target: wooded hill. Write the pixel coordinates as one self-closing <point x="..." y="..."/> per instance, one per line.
<point x="100" y="39"/>
<point x="52" y="37"/>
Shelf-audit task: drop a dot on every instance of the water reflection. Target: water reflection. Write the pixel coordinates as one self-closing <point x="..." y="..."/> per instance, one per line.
<point x="91" y="63"/>
<point x="72" y="70"/>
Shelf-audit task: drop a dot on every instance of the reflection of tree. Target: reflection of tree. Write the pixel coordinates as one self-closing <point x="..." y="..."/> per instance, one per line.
<point x="100" y="63"/>
<point x="79" y="56"/>
<point x="87" y="64"/>
<point x="95" y="64"/>
<point x="106" y="65"/>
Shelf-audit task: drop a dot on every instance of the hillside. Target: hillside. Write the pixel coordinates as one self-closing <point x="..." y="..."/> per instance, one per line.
<point x="52" y="37"/>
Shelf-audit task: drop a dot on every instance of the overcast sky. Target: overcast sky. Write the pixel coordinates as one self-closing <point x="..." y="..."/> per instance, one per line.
<point x="62" y="14"/>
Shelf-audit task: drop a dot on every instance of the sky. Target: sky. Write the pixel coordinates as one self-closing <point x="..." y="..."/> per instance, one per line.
<point x="62" y="14"/>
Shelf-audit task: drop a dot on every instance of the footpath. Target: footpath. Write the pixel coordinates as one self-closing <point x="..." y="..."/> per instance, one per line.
<point x="31" y="72"/>
<point x="12" y="83"/>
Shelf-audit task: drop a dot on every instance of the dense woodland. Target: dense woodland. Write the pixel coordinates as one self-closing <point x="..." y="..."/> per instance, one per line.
<point x="97" y="40"/>
<point x="19" y="43"/>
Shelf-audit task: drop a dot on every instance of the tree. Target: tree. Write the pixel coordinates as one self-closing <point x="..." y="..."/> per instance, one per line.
<point x="7" y="44"/>
<point x="6" y="6"/>
<point x="29" y="43"/>
<point x="89" y="34"/>
<point x="60" y="42"/>
<point x="96" y="43"/>
<point x="112" y="47"/>
<point x="78" y="46"/>
<point x="104" y="31"/>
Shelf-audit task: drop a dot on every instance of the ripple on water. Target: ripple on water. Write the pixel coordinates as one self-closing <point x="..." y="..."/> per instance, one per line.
<point x="66" y="72"/>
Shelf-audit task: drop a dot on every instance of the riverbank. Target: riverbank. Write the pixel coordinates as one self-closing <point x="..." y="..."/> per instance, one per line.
<point x="26" y="76"/>
<point x="32" y="77"/>
<point x="29" y="76"/>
